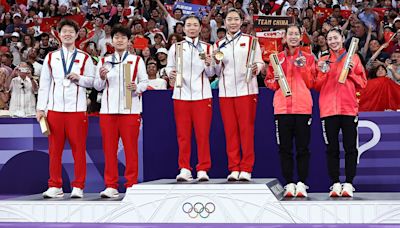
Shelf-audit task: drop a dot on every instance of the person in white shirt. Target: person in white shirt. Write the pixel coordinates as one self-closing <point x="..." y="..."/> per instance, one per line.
<point x="155" y="83"/>
<point x="66" y="73"/>
<point x="192" y="100"/>
<point x="116" y="119"/>
<point x="238" y="97"/>
<point x="105" y="41"/>
<point x="23" y="89"/>
<point x="171" y="21"/>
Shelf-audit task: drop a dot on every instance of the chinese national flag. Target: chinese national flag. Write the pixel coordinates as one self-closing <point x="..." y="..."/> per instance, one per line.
<point x="269" y="46"/>
<point x="326" y="12"/>
<point x="380" y="94"/>
<point x="140" y="43"/>
<point x="306" y="40"/>
<point x="48" y="23"/>
<point x="387" y="36"/>
<point x="381" y="12"/>
<point x="80" y="19"/>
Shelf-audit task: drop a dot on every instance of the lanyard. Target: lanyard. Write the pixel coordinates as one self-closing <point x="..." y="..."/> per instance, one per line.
<point x="198" y="47"/>
<point x="67" y="72"/>
<point x="114" y="58"/>
<point x="297" y="62"/>
<point x="228" y="42"/>
<point x="338" y="59"/>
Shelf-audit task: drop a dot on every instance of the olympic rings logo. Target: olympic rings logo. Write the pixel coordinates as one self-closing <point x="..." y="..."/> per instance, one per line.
<point x="198" y="209"/>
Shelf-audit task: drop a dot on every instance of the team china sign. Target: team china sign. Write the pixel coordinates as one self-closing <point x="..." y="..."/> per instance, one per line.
<point x="275" y="22"/>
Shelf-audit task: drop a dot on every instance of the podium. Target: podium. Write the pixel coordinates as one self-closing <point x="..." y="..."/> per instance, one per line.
<point x="216" y="201"/>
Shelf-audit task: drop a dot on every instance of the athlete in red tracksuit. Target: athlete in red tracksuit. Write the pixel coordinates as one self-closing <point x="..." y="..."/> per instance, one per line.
<point x="117" y="120"/>
<point x="192" y="101"/>
<point x="293" y="113"/>
<point x="66" y="74"/>
<point x="238" y="98"/>
<point x="339" y="110"/>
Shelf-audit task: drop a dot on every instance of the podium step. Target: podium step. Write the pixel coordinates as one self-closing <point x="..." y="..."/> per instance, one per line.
<point x="216" y="202"/>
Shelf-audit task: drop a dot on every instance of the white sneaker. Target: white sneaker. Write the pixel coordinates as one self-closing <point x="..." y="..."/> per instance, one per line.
<point x="336" y="190"/>
<point x="301" y="189"/>
<point x="77" y="193"/>
<point x="184" y="175"/>
<point x="290" y="190"/>
<point x="347" y="190"/>
<point x="109" y="193"/>
<point x="53" y="192"/>
<point x="234" y="176"/>
<point x="245" y="176"/>
<point x="202" y="176"/>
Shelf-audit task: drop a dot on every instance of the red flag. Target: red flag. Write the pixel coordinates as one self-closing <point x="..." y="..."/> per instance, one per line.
<point x="169" y="8"/>
<point x="381" y="12"/>
<point x="5" y="4"/>
<point x="48" y="23"/>
<point x="140" y="43"/>
<point x="80" y="19"/>
<point x="200" y="2"/>
<point x="380" y="94"/>
<point x="306" y="40"/>
<point x="22" y="2"/>
<point x="268" y="46"/>
<point x="326" y="12"/>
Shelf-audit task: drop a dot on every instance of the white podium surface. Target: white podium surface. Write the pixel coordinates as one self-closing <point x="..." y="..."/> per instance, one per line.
<point x="216" y="201"/>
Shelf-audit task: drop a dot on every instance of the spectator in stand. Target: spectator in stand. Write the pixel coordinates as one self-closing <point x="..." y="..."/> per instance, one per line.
<point x="321" y="48"/>
<point x="162" y="54"/>
<point x="27" y="43"/>
<point x="173" y="38"/>
<point x="178" y="28"/>
<point x="23" y="89"/>
<point x="15" y="47"/>
<point x="2" y="40"/>
<point x="158" y="43"/>
<point x="146" y="54"/>
<point x="44" y="47"/>
<point x="155" y="83"/>
<point x="98" y="30"/>
<point x="393" y="66"/>
<point x="82" y="38"/>
<point x="4" y="95"/>
<point x="5" y="21"/>
<point x="63" y="10"/>
<point x="16" y="26"/>
<point x="104" y="45"/>
<point x="7" y="60"/>
<point x="221" y="33"/>
<point x="108" y="9"/>
<point x="171" y="20"/>
<point x="32" y="59"/>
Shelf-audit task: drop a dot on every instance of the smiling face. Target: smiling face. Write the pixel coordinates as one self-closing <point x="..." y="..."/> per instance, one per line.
<point x="120" y="42"/>
<point x="293" y="36"/>
<point x="192" y="27"/>
<point x="334" y="40"/>
<point x="233" y="22"/>
<point x="68" y="35"/>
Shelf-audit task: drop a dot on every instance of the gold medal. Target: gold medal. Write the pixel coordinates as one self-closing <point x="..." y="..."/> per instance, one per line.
<point x="219" y="55"/>
<point x="202" y="55"/>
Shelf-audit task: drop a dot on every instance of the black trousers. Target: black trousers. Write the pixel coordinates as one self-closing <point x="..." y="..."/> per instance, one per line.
<point x="331" y="126"/>
<point x="289" y="127"/>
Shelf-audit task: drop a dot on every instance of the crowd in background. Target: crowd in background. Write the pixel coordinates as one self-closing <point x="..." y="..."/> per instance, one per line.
<point x="24" y="40"/>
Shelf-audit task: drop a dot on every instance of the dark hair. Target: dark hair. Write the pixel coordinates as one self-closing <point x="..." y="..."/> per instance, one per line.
<point x="372" y="73"/>
<point x="68" y="22"/>
<point x="336" y="6"/>
<point x="221" y="30"/>
<point x="191" y="17"/>
<point x="121" y="29"/>
<point x="293" y="25"/>
<point x="236" y="11"/>
<point x="44" y="35"/>
<point x="334" y="29"/>
<point x="176" y="9"/>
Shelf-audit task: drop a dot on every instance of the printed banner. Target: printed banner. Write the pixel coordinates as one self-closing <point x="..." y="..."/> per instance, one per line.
<point x="188" y="9"/>
<point x="272" y="22"/>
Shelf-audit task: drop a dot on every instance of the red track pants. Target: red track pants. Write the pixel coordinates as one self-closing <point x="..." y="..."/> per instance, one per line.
<point x="238" y="115"/>
<point x="197" y="114"/>
<point x="114" y="126"/>
<point x="74" y="127"/>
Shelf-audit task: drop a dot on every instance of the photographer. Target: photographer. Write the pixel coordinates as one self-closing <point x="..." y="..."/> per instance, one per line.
<point x="23" y="89"/>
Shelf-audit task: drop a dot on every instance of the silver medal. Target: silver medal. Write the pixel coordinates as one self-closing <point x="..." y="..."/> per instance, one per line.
<point x="66" y="82"/>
